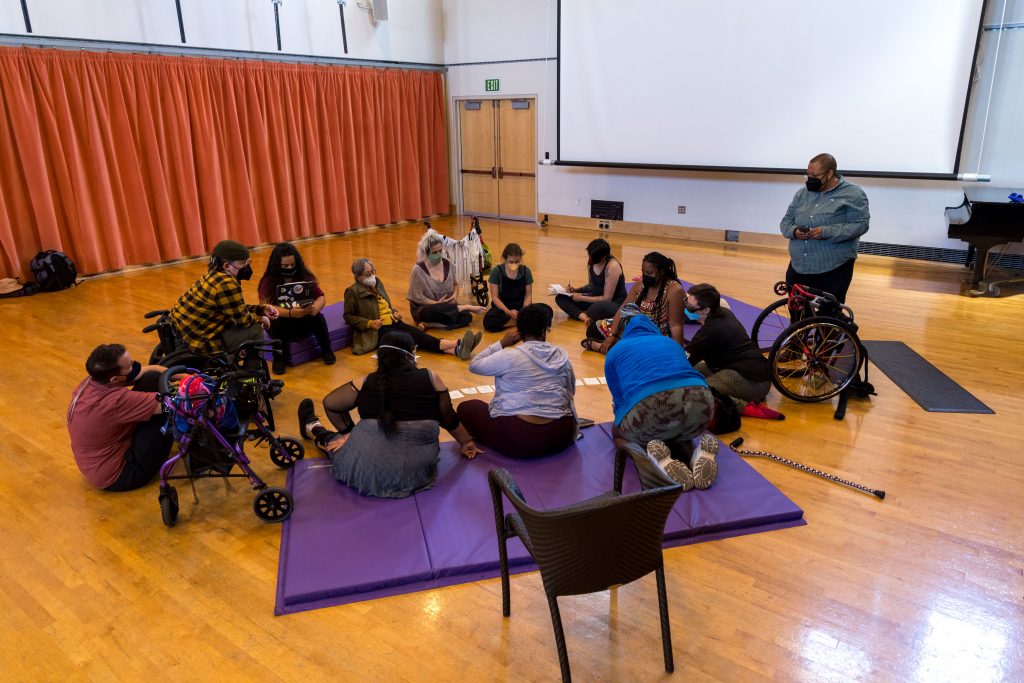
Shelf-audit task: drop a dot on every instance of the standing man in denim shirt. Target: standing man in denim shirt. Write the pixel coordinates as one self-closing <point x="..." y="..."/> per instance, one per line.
<point x="824" y="223"/>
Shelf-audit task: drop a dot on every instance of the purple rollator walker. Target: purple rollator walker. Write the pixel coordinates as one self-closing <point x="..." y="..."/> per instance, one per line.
<point x="211" y="419"/>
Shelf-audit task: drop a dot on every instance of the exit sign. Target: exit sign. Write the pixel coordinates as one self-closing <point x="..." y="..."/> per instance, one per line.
<point x="491" y="85"/>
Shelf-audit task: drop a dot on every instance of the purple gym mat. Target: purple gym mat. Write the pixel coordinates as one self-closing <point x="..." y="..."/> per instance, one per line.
<point x="340" y="547"/>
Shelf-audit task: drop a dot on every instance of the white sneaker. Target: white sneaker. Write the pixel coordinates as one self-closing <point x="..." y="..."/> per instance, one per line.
<point x="704" y="463"/>
<point x="675" y="469"/>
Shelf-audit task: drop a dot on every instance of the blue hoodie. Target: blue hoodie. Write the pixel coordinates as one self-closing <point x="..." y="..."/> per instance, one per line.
<point x="643" y="363"/>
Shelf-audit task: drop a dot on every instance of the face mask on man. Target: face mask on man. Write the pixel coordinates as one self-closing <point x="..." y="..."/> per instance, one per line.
<point x="244" y="273"/>
<point x="133" y="373"/>
<point x="649" y="281"/>
<point x="813" y="184"/>
<point x="434" y="258"/>
<point x="370" y="281"/>
<point x="691" y="307"/>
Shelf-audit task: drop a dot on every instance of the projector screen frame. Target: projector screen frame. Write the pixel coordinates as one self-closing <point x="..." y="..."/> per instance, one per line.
<point x="954" y="175"/>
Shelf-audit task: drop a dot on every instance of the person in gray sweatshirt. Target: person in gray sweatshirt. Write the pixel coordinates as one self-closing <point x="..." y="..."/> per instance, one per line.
<point x="532" y="413"/>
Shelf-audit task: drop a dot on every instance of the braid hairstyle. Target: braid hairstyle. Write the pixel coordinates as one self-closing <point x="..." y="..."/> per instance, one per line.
<point x="389" y="360"/>
<point x="667" y="268"/>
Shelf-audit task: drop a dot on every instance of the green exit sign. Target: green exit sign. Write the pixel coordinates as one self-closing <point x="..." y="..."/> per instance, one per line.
<point x="491" y="85"/>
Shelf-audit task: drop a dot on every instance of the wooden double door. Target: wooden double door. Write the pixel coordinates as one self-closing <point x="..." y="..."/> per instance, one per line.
<point x="498" y="143"/>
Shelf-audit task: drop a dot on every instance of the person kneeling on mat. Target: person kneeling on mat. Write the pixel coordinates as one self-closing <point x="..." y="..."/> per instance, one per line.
<point x="661" y="401"/>
<point x="393" y="450"/>
<point x="722" y="351"/>
<point x="532" y="412"/>
<point x="115" y="430"/>
<point x="368" y="309"/>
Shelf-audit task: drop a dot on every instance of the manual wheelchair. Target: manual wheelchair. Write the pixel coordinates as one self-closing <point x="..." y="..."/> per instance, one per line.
<point x="814" y="352"/>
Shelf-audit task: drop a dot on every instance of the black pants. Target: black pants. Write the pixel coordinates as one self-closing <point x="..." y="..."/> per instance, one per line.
<point x="594" y="311"/>
<point x="836" y="281"/>
<point x="515" y="438"/>
<point x="422" y="340"/>
<point x="149" y="449"/>
<point x="448" y="315"/>
<point x="291" y="329"/>
<point x="496" y="319"/>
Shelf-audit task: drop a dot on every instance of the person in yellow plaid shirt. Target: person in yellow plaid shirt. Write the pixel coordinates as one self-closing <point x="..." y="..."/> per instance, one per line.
<point x="212" y="315"/>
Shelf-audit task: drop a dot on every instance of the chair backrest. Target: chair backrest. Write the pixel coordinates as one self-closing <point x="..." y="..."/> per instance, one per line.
<point x="593" y="545"/>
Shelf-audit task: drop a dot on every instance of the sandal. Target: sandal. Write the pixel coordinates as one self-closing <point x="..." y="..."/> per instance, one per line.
<point x="588" y="345"/>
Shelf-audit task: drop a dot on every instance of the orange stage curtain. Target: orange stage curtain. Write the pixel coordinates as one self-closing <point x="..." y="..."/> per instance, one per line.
<point x="121" y="159"/>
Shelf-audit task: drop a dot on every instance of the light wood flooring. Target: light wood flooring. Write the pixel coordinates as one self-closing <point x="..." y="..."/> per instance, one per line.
<point x="924" y="586"/>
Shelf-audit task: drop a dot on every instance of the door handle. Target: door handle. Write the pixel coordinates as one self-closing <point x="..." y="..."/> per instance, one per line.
<point x="493" y="173"/>
<point x="501" y="172"/>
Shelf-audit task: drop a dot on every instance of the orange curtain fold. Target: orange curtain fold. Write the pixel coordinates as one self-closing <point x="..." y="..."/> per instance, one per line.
<point x="121" y="159"/>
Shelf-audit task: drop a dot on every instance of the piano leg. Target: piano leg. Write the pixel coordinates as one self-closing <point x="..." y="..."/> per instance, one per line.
<point x="980" y="263"/>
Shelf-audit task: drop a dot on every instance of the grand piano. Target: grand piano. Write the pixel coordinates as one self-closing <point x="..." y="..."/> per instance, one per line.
<point x="986" y="219"/>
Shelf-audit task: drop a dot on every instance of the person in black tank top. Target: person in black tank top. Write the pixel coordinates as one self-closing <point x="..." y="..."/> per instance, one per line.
<point x="393" y="450"/>
<point x="604" y="292"/>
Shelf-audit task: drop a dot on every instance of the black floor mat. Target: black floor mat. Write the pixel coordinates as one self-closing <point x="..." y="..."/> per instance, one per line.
<point x="922" y="381"/>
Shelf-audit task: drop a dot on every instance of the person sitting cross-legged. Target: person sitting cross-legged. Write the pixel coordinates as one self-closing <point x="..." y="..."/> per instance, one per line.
<point x="722" y="351"/>
<point x="368" y="309"/>
<point x="393" y="450"/>
<point x="532" y="412"/>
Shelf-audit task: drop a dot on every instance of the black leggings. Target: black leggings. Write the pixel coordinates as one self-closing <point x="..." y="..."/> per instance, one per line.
<point x="513" y="437"/>
<point x="836" y="281"/>
<point x="291" y="329"/>
<point x="422" y="340"/>
<point x="448" y="315"/>
<point x="595" y="311"/>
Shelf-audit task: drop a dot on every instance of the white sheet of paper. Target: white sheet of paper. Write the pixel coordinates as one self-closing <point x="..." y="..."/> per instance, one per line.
<point x="591" y="381"/>
<point x="455" y="393"/>
<point x="485" y="389"/>
<point x="468" y="390"/>
<point x="602" y="380"/>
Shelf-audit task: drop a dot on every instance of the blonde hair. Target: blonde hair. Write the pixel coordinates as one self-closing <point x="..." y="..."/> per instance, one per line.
<point x="430" y="238"/>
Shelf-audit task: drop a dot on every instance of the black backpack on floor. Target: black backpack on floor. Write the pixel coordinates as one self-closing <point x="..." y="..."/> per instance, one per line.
<point x="53" y="270"/>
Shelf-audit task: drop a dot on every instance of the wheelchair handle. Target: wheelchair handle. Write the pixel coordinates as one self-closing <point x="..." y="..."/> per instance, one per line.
<point x="154" y="314"/>
<point x="163" y="384"/>
<point x="149" y="328"/>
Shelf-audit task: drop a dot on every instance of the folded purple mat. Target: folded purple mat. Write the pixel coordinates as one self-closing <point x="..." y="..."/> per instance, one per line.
<point x="340" y="547"/>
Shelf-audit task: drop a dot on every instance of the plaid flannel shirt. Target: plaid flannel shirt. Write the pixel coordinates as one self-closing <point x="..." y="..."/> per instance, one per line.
<point x="210" y="306"/>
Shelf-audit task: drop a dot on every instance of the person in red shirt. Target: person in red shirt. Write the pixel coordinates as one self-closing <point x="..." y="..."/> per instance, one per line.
<point x="114" y="429"/>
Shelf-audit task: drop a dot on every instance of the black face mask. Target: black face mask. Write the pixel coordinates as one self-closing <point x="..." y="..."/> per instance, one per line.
<point x="245" y="273"/>
<point x="649" y="281"/>
<point x="813" y="184"/>
<point x="289" y="272"/>
<point x="134" y="372"/>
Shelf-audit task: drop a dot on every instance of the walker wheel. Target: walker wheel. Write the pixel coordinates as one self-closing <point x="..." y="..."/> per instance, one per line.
<point x="169" y="505"/>
<point x="285" y="452"/>
<point x="273" y="505"/>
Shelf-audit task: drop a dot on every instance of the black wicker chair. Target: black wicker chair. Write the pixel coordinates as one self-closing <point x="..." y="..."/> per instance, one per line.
<point x="592" y="545"/>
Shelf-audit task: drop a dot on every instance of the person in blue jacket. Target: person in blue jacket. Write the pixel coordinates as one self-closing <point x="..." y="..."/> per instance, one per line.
<point x="660" y="401"/>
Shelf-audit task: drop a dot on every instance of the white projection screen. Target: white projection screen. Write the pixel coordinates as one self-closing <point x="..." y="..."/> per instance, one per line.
<point x="763" y="86"/>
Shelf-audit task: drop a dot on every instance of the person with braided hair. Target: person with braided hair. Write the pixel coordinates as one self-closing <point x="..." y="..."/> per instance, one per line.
<point x="660" y="297"/>
<point x="393" y="450"/>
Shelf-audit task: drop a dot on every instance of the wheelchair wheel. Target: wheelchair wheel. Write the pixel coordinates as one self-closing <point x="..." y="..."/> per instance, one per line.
<point x="169" y="505"/>
<point x="273" y="505"/>
<point x="815" y="359"/>
<point x="286" y="451"/>
<point x="769" y="324"/>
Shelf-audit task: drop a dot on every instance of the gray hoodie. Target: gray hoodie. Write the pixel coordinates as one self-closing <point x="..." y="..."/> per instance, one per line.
<point x="531" y="378"/>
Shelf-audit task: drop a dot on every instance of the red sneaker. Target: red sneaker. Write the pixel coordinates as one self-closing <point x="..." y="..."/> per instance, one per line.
<point x="754" y="409"/>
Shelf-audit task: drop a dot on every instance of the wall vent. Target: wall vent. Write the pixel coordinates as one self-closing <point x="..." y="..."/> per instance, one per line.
<point x="1010" y="261"/>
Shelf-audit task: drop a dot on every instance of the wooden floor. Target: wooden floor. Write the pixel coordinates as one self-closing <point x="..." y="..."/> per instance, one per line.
<point x="926" y="585"/>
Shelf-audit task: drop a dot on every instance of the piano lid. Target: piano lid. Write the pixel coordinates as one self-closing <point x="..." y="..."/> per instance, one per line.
<point x="989" y="195"/>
